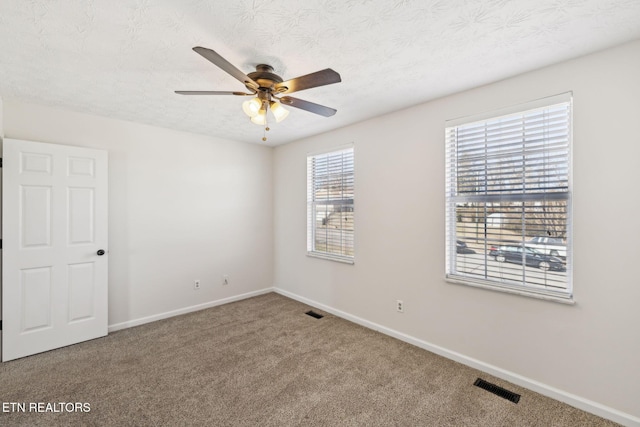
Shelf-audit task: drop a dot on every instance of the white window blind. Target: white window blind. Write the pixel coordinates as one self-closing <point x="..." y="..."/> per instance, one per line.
<point x="330" y="190"/>
<point x="508" y="191"/>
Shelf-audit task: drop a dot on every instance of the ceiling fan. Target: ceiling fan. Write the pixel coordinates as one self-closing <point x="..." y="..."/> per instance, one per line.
<point x="267" y="87"/>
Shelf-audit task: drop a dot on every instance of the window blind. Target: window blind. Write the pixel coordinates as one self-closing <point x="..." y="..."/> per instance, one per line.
<point x="508" y="200"/>
<point x="330" y="207"/>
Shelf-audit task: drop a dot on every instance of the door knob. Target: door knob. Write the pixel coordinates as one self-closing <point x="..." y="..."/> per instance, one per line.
<point x="100" y="252"/>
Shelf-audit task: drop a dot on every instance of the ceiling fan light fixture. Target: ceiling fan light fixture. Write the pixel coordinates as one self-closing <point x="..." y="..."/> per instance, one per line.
<point x="252" y="107"/>
<point x="279" y="112"/>
<point x="260" y="118"/>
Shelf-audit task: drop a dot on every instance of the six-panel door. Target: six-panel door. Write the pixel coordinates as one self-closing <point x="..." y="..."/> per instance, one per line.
<point x="54" y="283"/>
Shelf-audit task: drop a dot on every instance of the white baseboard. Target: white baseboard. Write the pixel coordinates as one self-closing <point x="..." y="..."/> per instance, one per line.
<point x="544" y="389"/>
<point x="185" y="310"/>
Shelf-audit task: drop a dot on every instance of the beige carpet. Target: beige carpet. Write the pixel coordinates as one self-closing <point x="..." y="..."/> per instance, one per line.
<point x="263" y="362"/>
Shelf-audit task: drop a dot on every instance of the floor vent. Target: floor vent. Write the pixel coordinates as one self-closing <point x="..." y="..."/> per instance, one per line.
<point x="498" y="391"/>
<point x="314" y="314"/>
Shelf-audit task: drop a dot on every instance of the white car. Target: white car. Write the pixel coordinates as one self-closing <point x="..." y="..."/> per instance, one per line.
<point x="553" y="246"/>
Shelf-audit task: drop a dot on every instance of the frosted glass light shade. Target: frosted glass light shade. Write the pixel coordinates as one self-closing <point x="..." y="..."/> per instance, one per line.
<point x="252" y="107"/>
<point x="279" y="112"/>
<point x="260" y="118"/>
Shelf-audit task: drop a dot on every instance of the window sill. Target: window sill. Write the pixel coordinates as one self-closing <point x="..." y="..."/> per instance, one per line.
<point x="329" y="257"/>
<point x="544" y="294"/>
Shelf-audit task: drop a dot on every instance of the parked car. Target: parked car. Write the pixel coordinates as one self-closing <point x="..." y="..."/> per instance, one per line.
<point x="553" y="246"/>
<point x="493" y="251"/>
<point x="532" y="257"/>
<point x="462" y="248"/>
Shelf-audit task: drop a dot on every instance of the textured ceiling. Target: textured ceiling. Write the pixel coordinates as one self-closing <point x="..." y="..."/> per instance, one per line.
<point x="124" y="58"/>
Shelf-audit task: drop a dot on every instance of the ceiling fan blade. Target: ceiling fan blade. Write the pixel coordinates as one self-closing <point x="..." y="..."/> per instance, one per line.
<point x="308" y="106"/>
<point x="225" y="65"/>
<point x="210" y="92"/>
<point x="319" y="78"/>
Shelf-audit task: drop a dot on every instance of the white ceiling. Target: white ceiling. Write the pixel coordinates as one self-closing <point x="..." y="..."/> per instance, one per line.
<point x="124" y="58"/>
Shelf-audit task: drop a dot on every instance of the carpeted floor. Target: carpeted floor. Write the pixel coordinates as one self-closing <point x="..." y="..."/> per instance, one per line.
<point x="263" y="362"/>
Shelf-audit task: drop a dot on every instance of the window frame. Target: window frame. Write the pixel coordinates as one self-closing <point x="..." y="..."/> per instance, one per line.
<point x="312" y="250"/>
<point x="451" y="175"/>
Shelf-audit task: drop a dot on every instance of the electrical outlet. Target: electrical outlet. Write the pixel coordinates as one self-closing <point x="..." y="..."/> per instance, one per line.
<point x="196" y="284"/>
<point x="225" y="280"/>
<point x="399" y="306"/>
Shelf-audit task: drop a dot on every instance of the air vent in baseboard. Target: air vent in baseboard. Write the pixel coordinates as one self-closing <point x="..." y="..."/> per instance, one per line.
<point x="497" y="390"/>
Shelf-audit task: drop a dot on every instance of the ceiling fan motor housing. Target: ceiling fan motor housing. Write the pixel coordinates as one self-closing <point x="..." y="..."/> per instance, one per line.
<point x="266" y="78"/>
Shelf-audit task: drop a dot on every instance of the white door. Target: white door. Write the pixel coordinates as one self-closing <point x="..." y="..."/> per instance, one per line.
<point x="54" y="262"/>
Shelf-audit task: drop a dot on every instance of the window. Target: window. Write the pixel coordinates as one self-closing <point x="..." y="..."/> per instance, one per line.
<point x="508" y="201"/>
<point x="330" y="184"/>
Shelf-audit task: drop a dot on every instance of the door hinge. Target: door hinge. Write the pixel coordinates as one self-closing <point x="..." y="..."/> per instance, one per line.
<point x="0" y="162"/>
<point x="0" y="325"/>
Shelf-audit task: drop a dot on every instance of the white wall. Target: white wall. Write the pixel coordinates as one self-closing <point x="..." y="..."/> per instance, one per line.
<point x="590" y="350"/>
<point x="181" y="207"/>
